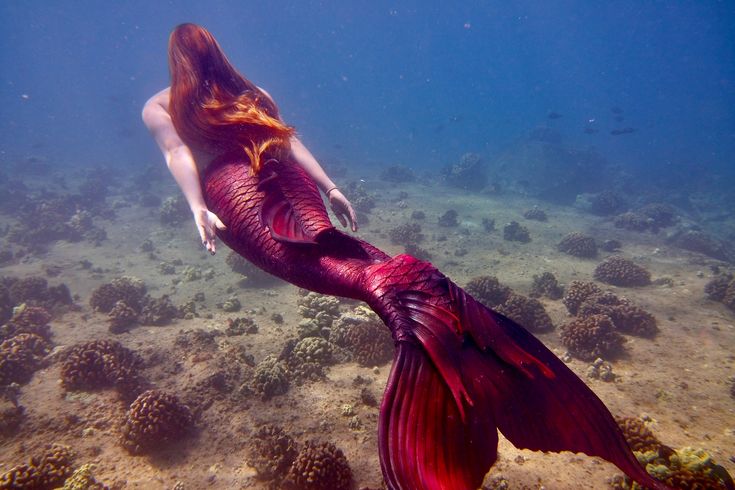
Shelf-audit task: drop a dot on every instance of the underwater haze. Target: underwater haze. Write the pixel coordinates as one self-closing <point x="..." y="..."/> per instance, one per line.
<point x="412" y="82"/>
<point x="568" y="164"/>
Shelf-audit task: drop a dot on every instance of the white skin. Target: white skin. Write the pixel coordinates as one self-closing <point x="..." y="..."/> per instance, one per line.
<point x="185" y="166"/>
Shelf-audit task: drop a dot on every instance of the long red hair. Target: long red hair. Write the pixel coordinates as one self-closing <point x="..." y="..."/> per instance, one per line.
<point x="216" y="109"/>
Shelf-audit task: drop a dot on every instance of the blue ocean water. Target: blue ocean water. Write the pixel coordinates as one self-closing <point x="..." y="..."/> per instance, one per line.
<point x="416" y="83"/>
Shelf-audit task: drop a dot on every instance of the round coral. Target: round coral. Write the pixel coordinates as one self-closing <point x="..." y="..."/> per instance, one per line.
<point x="129" y="290"/>
<point x="102" y="363"/>
<point x="577" y="293"/>
<point x="578" y="245"/>
<point x="272" y="452"/>
<point x="28" y="319"/>
<point x="270" y="378"/>
<point x="309" y="358"/>
<point x="370" y="343"/>
<point x="627" y="317"/>
<point x="363" y="333"/>
<point x="528" y="312"/>
<point x="320" y="467"/>
<point x="121" y="317"/>
<point x="488" y="290"/>
<point x="592" y="337"/>
<point x="637" y="435"/>
<point x="155" y="419"/>
<point x="546" y="285"/>
<point x="619" y="271"/>
<point x="634" y="221"/>
<point x="20" y="356"/>
<point x="717" y="287"/>
<point x="46" y="471"/>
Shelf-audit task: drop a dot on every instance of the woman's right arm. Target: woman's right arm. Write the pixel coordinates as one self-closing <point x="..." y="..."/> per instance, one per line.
<point x="181" y="163"/>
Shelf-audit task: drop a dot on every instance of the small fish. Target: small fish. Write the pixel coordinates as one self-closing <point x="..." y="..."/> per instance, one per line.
<point x="554" y="115"/>
<point x="618" y="132"/>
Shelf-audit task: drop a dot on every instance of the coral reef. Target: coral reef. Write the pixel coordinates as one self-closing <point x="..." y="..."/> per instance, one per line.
<point x="536" y="214"/>
<point x="722" y="289"/>
<point x="528" y="312"/>
<point x="320" y="467"/>
<point x="718" y="286"/>
<point x="174" y="210"/>
<point x="488" y="290"/>
<point x="35" y="291"/>
<point x="577" y="293"/>
<point x="158" y="311"/>
<point x="546" y="285"/>
<point x="271" y="452"/>
<point x="121" y="317"/>
<point x="619" y="271"/>
<point x="43" y="472"/>
<point x="11" y="412"/>
<point x="309" y="357"/>
<point x="605" y="203"/>
<point x="611" y="245"/>
<point x="685" y="468"/>
<point x="703" y="243"/>
<point x="639" y="437"/>
<point x="364" y="335"/>
<point x="633" y="221"/>
<point x="627" y="317"/>
<point x="592" y="337"/>
<point x="20" y="356"/>
<point x="398" y="174"/>
<point x="27" y="319"/>
<point x="83" y="479"/>
<point x="320" y="311"/>
<point x="405" y="234"/>
<point x="240" y="325"/>
<point x="418" y="252"/>
<point x="155" y="419"/>
<point x="661" y="214"/>
<point x="578" y="245"/>
<point x="362" y="200"/>
<point x="270" y="378"/>
<point x="449" y="218"/>
<point x="468" y="174"/>
<point x="514" y="232"/>
<point x="102" y="363"/>
<point x="129" y="290"/>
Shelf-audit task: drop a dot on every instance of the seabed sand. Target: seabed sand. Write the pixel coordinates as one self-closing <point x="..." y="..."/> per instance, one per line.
<point x="679" y="379"/>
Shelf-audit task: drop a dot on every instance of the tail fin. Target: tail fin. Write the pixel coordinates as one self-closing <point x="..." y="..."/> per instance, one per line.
<point x="465" y="371"/>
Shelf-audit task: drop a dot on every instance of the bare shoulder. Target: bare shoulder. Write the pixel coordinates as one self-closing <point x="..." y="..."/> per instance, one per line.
<point x="160" y="99"/>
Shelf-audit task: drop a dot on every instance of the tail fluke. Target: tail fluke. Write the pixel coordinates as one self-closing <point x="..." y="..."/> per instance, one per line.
<point x="461" y="373"/>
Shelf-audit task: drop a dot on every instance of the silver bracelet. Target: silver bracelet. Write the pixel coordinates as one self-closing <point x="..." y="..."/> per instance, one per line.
<point x="326" y="193"/>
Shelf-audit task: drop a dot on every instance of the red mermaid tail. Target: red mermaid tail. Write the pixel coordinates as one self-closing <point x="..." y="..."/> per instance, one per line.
<point x="461" y="371"/>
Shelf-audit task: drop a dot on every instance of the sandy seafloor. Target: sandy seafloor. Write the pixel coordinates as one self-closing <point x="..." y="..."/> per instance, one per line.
<point x="679" y="379"/>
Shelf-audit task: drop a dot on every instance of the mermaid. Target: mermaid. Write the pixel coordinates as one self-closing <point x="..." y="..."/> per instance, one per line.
<point x="461" y="371"/>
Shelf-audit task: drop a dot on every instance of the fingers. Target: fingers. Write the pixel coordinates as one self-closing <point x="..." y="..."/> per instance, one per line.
<point x="341" y="218"/>
<point x="219" y="224"/>
<point x="207" y="239"/>
<point x="353" y="218"/>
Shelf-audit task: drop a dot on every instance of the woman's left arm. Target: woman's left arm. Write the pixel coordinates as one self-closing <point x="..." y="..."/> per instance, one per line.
<point x="340" y="205"/>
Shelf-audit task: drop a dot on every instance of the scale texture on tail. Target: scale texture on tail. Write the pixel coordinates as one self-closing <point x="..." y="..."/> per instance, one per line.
<point x="461" y="371"/>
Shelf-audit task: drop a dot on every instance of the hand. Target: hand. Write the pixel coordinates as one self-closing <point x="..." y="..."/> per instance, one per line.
<point x="342" y="208"/>
<point x="208" y="223"/>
